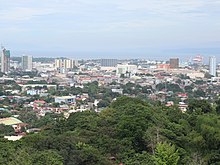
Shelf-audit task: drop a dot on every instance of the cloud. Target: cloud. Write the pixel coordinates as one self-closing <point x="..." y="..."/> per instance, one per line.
<point x="23" y="14"/>
<point x="109" y="23"/>
<point x="168" y="5"/>
<point x="22" y="10"/>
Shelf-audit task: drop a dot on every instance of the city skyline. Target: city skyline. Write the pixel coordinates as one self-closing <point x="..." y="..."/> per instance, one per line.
<point x="122" y="29"/>
<point x="182" y="60"/>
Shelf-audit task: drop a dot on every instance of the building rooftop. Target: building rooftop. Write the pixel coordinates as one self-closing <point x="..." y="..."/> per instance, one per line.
<point x="65" y="97"/>
<point x="10" y="121"/>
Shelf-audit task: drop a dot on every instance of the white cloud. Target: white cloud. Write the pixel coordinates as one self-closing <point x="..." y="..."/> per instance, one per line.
<point x="22" y="14"/>
<point x="170" y="8"/>
<point x="27" y="9"/>
<point x="144" y="20"/>
<point x="23" y="10"/>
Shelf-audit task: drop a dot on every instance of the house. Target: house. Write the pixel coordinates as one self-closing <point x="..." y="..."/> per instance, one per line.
<point x="39" y="102"/>
<point x="120" y="91"/>
<point x="13" y="138"/>
<point x="183" y="95"/>
<point x="14" y="122"/>
<point x="33" y="92"/>
<point x="65" y="99"/>
<point x="183" y="106"/>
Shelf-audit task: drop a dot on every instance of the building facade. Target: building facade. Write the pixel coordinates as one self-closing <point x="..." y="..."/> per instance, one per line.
<point x="174" y="63"/>
<point x="126" y="70"/>
<point x="212" y="66"/>
<point x="65" y="99"/>
<point x="65" y="65"/>
<point x="26" y="63"/>
<point x="5" y="60"/>
<point x="109" y="62"/>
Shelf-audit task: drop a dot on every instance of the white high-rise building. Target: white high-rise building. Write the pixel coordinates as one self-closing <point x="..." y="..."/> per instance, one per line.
<point x="5" y="60"/>
<point x="212" y="66"/>
<point x="126" y="69"/>
<point x="65" y="65"/>
<point x="58" y="63"/>
<point x="26" y="63"/>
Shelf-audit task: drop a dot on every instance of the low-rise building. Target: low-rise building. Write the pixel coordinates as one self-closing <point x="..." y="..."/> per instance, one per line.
<point x="65" y="99"/>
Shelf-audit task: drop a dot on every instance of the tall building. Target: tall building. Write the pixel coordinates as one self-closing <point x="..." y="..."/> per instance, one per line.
<point x="5" y="60"/>
<point x="212" y="66"/>
<point x="58" y="63"/>
<point x="174" y="63"/>
<point x="126" y="69"/>
<point x="109" y="62"/>
<point x="69" y="64"/>
<point x="64" y="65"/>
<point x="26" y="63"/>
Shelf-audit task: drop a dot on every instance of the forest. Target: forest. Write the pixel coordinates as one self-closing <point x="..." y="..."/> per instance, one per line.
<point x="129" y="132"/>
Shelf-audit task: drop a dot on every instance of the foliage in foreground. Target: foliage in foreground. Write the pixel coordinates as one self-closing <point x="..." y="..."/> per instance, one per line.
<point x="130" y="131"/>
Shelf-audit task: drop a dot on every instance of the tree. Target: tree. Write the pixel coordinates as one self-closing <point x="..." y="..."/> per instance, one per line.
<point x="21" y="157"/>
<point x="147" y="89"/>
<point x="6" y="130"/>
<point x="103" y="103"/>
<point x="47" y="157"/>
<point x="5" y="114"/>
<point x="88" y="155"/>
<point x="183" y="76"/>
<point x="28" y="117"/>
<point x="140" y="159"/>
<point x="153" y="137"/>
<point x="199" y="106"/>
<point x="218" y="106"/>
<point x="166" y="154"/>
<point x="199" y="93"/>
<point x="130" y="131"/>
<point x="188" y="89"/>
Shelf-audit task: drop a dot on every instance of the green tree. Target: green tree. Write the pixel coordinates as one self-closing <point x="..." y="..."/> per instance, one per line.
<point x="166" y="154"/>
<point x="47" y="157"/>
<point x="143" y="158"/>
<point x="21" y="157"/>
<point x="199" y="106"/>
<point x="199" y="93"/>
<point x="218" y="106"/>
<point x="6" y="130"/>
<point x="103" y="103"/>
<point x="7" y="151"/>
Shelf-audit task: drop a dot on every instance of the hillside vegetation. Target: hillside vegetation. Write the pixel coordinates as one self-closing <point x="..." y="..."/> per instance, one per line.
<point x="130" y="131"/>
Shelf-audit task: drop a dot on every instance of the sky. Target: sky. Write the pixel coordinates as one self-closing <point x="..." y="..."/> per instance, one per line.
<point x="111" y="28"/>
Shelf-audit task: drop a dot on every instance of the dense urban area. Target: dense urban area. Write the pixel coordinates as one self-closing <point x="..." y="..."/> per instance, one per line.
<point x="56" y="111"/>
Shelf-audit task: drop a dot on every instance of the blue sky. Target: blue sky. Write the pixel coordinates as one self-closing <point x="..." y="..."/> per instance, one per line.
<point x="111" y="28"/>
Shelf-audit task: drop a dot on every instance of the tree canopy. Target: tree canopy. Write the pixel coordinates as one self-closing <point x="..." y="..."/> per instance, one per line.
<point x="130" y="131"/>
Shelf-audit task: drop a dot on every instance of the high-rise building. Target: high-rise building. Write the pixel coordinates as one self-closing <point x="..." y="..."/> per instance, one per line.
<point x="212" y="66"/>
<point x="58" y="63"/>
<point x="64" y="65"/>
<point x="174" y="63"/>
<point x="69" y="64"/>
<point x="109" y="62"/>
<point x="126" y="69"/>
<point x="5" y="60"/>
<point x="26" y="63"/>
